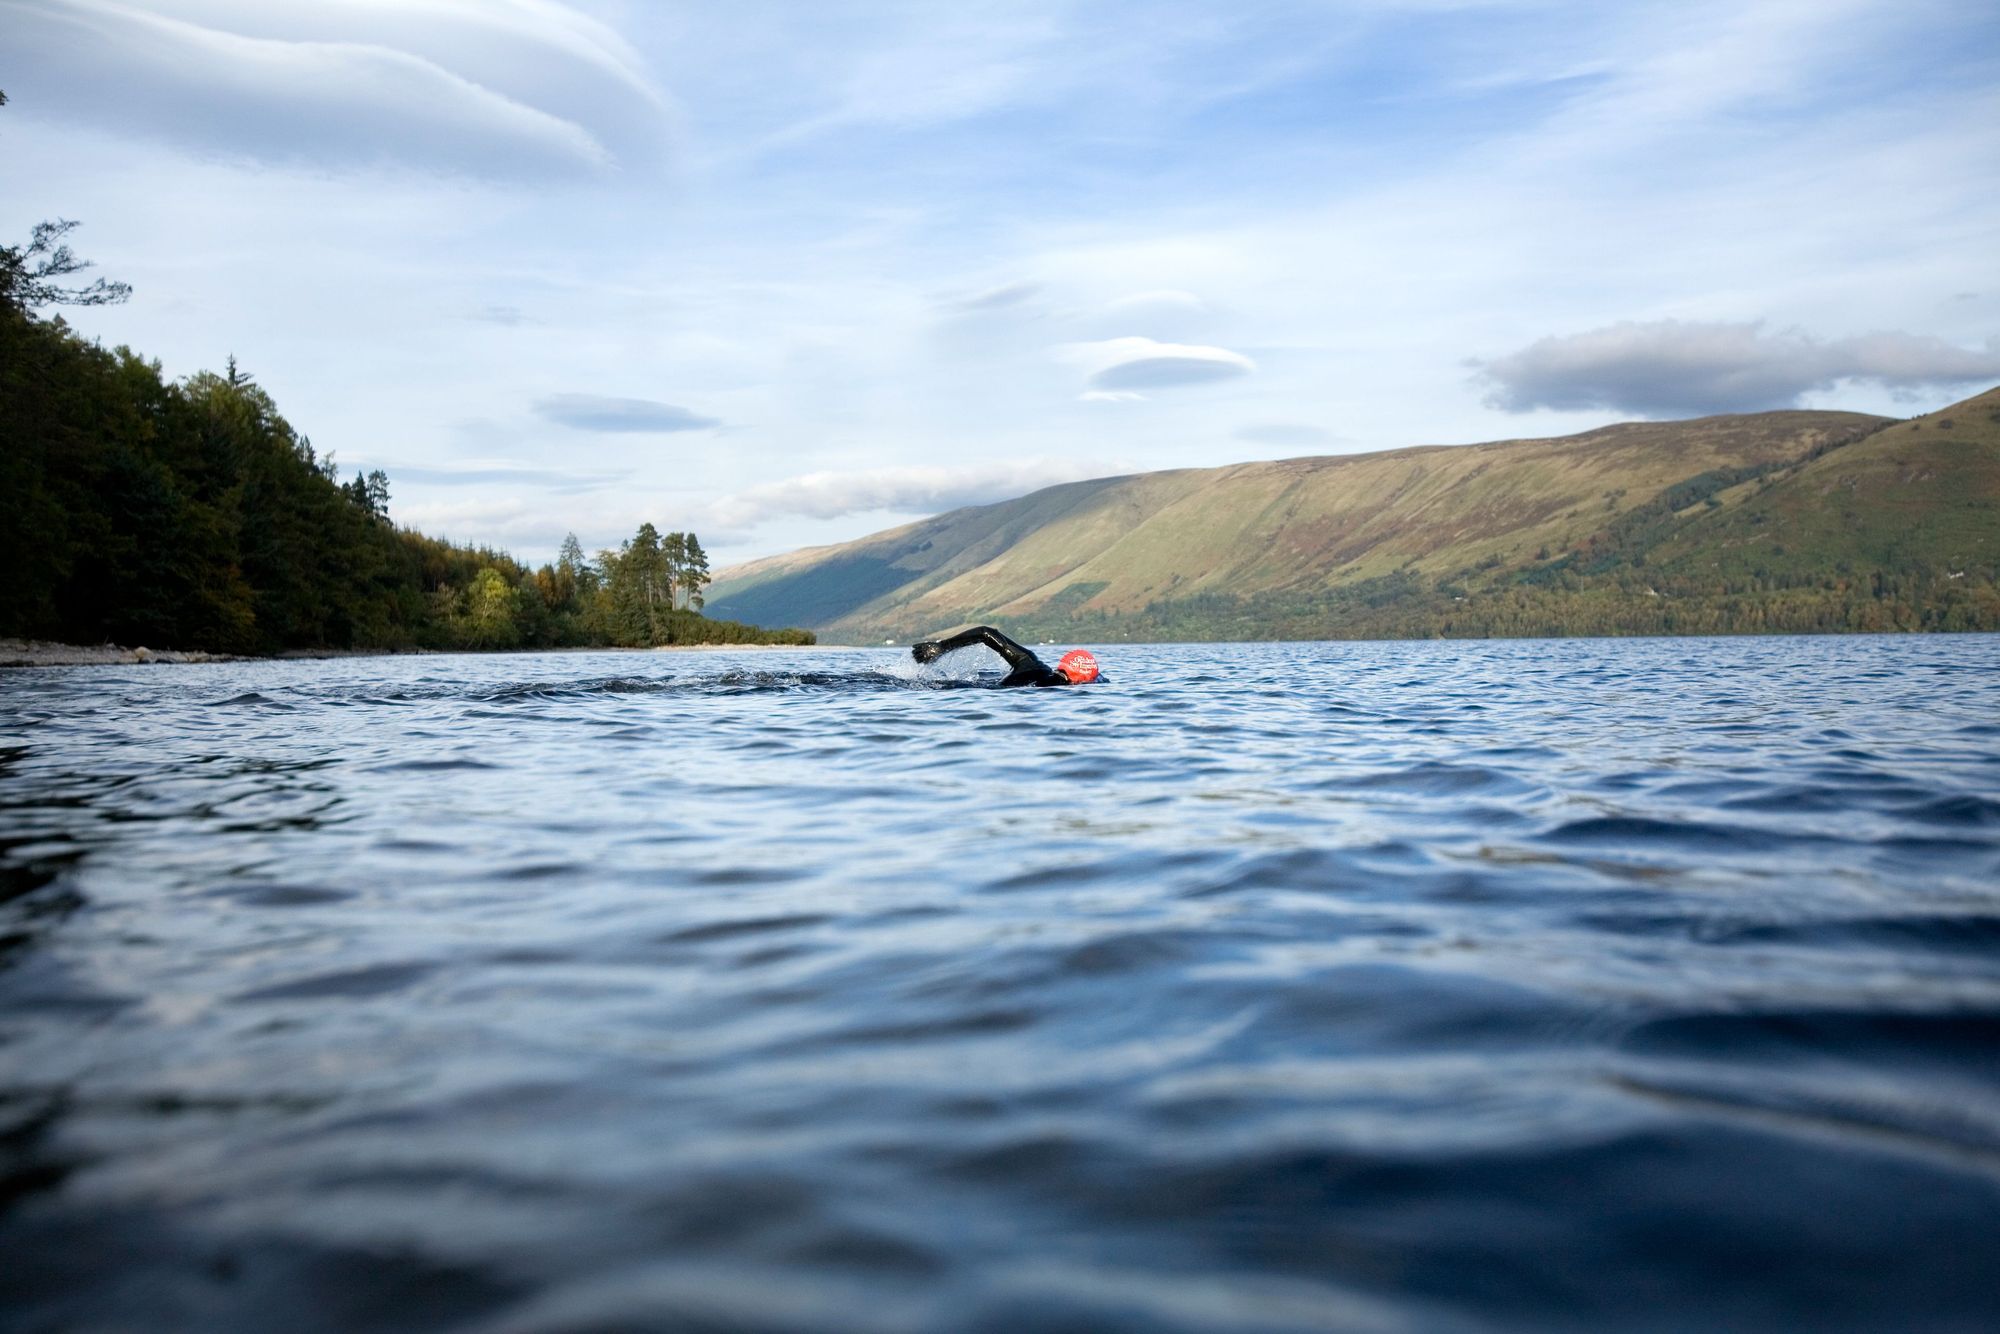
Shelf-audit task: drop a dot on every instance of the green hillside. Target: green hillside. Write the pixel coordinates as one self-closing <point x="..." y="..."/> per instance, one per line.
<point x="1774" y="521"/>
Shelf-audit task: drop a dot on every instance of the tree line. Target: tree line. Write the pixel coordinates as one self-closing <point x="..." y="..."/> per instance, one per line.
<point x="646" y="592"/>
<point x="1416" y="607"/>
<point x="191" y="514"/>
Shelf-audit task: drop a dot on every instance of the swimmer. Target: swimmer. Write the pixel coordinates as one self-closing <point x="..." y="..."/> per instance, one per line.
<point x="1077" y="667"/>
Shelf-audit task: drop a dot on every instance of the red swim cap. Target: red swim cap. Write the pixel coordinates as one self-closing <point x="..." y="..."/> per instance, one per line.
<point x="1079" y="666"/>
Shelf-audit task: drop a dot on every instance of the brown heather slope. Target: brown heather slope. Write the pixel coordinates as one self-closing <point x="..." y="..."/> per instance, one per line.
<point x="1783" y="521"/>
<point x="1292" y="528"/>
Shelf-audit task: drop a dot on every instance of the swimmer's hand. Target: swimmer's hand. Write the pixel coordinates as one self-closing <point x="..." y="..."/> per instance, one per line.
<point x="927" y="650"/>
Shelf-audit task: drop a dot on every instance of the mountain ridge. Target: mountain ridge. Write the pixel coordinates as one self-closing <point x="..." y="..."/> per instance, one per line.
<point x="1399" y="541"/>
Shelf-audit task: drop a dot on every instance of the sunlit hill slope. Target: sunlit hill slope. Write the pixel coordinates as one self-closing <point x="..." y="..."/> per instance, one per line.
<point x="1761" y="522"/>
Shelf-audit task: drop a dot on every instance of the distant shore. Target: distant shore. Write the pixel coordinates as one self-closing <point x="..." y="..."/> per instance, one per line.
<point x="42" y="653"/>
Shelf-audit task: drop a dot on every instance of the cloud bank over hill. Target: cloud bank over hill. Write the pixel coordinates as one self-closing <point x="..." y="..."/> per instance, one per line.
<point x="1669" y="368"/>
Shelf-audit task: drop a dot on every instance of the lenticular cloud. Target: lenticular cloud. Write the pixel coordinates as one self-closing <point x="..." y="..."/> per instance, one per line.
<point x="1132" y="364"/>
<point x="507" y="91"/>
<point x="597" y="412"/>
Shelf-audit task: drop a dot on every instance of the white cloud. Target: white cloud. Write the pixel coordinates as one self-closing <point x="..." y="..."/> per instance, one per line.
<point x="1116" y="364"/>
<point x="596" y="412"/>
<point x="507" y="89"/>
<point x="1668" y="368"/>
<point x="497" y="521"/>
<point x="498" y="472"/>
<point x="917" y="490"/>
<point x="531" y="529"/>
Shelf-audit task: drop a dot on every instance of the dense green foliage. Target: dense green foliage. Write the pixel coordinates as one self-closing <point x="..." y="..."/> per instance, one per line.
<point x="192" y="515"/>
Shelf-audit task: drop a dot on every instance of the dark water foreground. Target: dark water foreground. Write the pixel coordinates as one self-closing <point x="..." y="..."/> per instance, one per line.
<point x="1589" y="985"/>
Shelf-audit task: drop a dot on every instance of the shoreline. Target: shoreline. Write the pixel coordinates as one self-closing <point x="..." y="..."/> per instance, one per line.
<point x="46" y="653"/>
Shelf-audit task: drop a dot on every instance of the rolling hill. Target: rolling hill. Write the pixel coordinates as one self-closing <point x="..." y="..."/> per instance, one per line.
<point x="1758" y="522"/>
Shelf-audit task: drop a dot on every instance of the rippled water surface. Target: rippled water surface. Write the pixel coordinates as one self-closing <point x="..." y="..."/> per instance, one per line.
<point x="1641" y="984"/>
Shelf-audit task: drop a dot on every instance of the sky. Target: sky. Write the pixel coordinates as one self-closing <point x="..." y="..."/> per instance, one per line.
<point x="790" y="273"/>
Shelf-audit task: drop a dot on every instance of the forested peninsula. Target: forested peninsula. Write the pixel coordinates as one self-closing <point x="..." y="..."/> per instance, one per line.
<point x="191" y="515"/>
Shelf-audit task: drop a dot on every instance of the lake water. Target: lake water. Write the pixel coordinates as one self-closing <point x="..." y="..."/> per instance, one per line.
<point x="1428" y="986"/>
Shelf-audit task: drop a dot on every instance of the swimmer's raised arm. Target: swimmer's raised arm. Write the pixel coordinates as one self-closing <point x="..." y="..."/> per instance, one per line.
<point x="1018" y="658"/>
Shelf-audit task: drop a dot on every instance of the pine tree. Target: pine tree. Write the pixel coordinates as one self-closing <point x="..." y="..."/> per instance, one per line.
<point x="694" y="571"/>
<point x="28" y="273"/>
<point x="638" y="589"/>
<point x="673" y="551"/>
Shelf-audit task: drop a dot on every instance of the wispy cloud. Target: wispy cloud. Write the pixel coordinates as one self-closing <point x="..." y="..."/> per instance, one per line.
<point x="527" y="526"/>
<point x="493" y="519"/>
<point x="1286" y="435"/>
<point x="955" y="65"/>
<point x="828" y="495"/>
<point x="1159" y="298"/>
<point x="1668" y="368"/>
<point x="595" y="412"/>
<point x="993" y="298"/>
<point x="501" y="472"/>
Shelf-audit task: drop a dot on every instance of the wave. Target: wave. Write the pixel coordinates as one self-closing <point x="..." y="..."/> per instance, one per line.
<point x="729" y="683"/>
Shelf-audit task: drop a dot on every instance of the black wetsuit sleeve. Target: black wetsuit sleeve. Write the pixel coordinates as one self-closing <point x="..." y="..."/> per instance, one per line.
<point x="930" y="650"/>
<point x="1023" y="667"/>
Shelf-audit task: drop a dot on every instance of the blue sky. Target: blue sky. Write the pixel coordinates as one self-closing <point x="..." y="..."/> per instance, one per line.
<point x="788" y="273"/>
